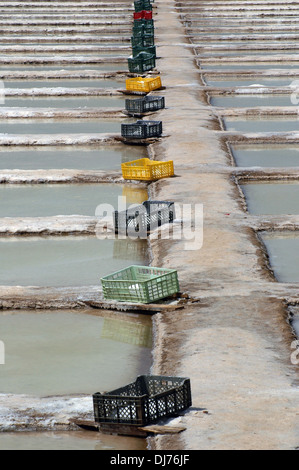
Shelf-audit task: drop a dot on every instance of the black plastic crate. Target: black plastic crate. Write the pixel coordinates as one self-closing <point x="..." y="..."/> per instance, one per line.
<point x="142" y="62"/>
<point x="138" y="221"/>
<point x="140" y="5"/>
<point x="142" y="129"/>
<point x="142" y="40"/>
<point x="144" y="105"/>
<point x="145" y="401"/>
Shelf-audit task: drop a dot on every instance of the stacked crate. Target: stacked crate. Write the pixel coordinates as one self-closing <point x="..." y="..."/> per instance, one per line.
<point x="143" y="56"/>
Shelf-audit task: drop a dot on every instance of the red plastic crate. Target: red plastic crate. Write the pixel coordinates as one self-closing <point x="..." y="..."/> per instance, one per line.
<point x="143" y="15"/>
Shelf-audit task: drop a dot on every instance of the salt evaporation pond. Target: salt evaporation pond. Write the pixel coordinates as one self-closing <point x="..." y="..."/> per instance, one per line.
<point x="67" y="102"/>
<point x="242" y="82"/>
<point x="77" y="440"/>
<point x="45" y="200"/>
<point x="250" y="101"/>
<point x="249" y="66"/>
<point x="65" y="353"/>
<point x="80" y="158"/>
<point x="280" y="156"/>
<point x="65" y="83"/>
<point x="283" y="251"/>
<point x="257" y="124"/>
<point x="107" y="67"/>
<point x="272" y="198"/>
<point x="66" y="261"/>
<point x="50" y="127"/>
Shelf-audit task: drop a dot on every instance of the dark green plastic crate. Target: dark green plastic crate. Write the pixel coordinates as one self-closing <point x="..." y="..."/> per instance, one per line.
<point x="141" y="63"/>
<point x="145" y="401"/>
<point x="140" y="5"/>
<point x="148" y="49"/>
<point x="140" y="28"/>
<point x="145" y="40"/>
<point x="140" y="284"/>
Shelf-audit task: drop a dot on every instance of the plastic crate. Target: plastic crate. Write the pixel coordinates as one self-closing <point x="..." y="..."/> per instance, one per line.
<point x="145" y="104"/>
<point x="140" y="29"/>
<point x="143" y="15"/>
<point x="148" y="49"/>
<point x="145" y="401"/>
<point x="140" y="5"/>
<point x="142" y="130"/>
<point x="145" y="40"/>
<point x="140" y="284"/>
<point x="145" y="85"/>
<point x="142" y="62"/>
<point x="143" y="218"/>
<point x="147" y="24"/>
<point x="145" y="169"/>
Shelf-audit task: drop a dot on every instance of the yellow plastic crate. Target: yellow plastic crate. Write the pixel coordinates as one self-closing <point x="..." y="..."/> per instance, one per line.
<point x="143" y="84"/>
<point x="147" y="170"/>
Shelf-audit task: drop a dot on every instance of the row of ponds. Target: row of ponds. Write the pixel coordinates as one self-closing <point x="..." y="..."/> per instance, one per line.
<point x="243" y="51"/>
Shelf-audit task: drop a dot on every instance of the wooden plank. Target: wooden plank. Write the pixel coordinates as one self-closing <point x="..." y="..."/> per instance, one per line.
<point x="158" y="429"/>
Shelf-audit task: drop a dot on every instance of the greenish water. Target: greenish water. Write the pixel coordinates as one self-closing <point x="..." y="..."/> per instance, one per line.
<point x="45" y="200"/>
<point x="68" y="102"/>
<point x="102" y="158"/>
<point x="56" y="68"/>
<point x="79" y="440"/>
<point x="50" y="127"/>
<point x="256" y="124"/>
<point x="283" y="251"/>
<point x="64" y="353"/>
<point x="272" y="198"/>
<point x="64" y="83"/>
<point x="274" y="82"/>
<point x="66" y="261"/>
<point x="280" y="156"/>
<point x="250" y="101"/>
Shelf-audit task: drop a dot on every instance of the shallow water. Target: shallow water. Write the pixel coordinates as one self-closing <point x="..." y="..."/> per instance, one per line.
<point x="80" y="126"/>
<point x="84" y="83"/>
<point x="79" y="440"/>
<point x="251" y="101"/>
<point x="247" y="66"/>
<point x="295" y="325"/>
<point x="68" y="102"/>
<point x="65" y="353"/>
<point x="279" y="156"/>
<point x="97" y="67"/>
<point x="103" y="158"/>
<point x="45" y="200"/>
<point x="244" y="53"/>
<point x="261" y="125"/>
<point x="275" y="82"/>
<point x="283" y="250"/>
<point x="272" y="198"/>
<point x="65" y="261"/>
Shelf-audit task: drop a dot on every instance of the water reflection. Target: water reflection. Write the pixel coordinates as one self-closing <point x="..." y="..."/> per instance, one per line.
<point x="66" y="352"/>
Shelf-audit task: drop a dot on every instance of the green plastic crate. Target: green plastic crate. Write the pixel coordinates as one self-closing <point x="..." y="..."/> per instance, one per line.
<point x="148" y="49"/>
<point x="145" y="40"/>
<point x="140" y="284"/>
<point x="140" y="5"/>
<point x="140" y="29"/>
<point x="142" y="62"/>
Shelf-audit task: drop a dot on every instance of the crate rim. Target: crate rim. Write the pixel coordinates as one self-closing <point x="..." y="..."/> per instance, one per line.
<point x="165" y="272"/>
<point x="165" y="377"/>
